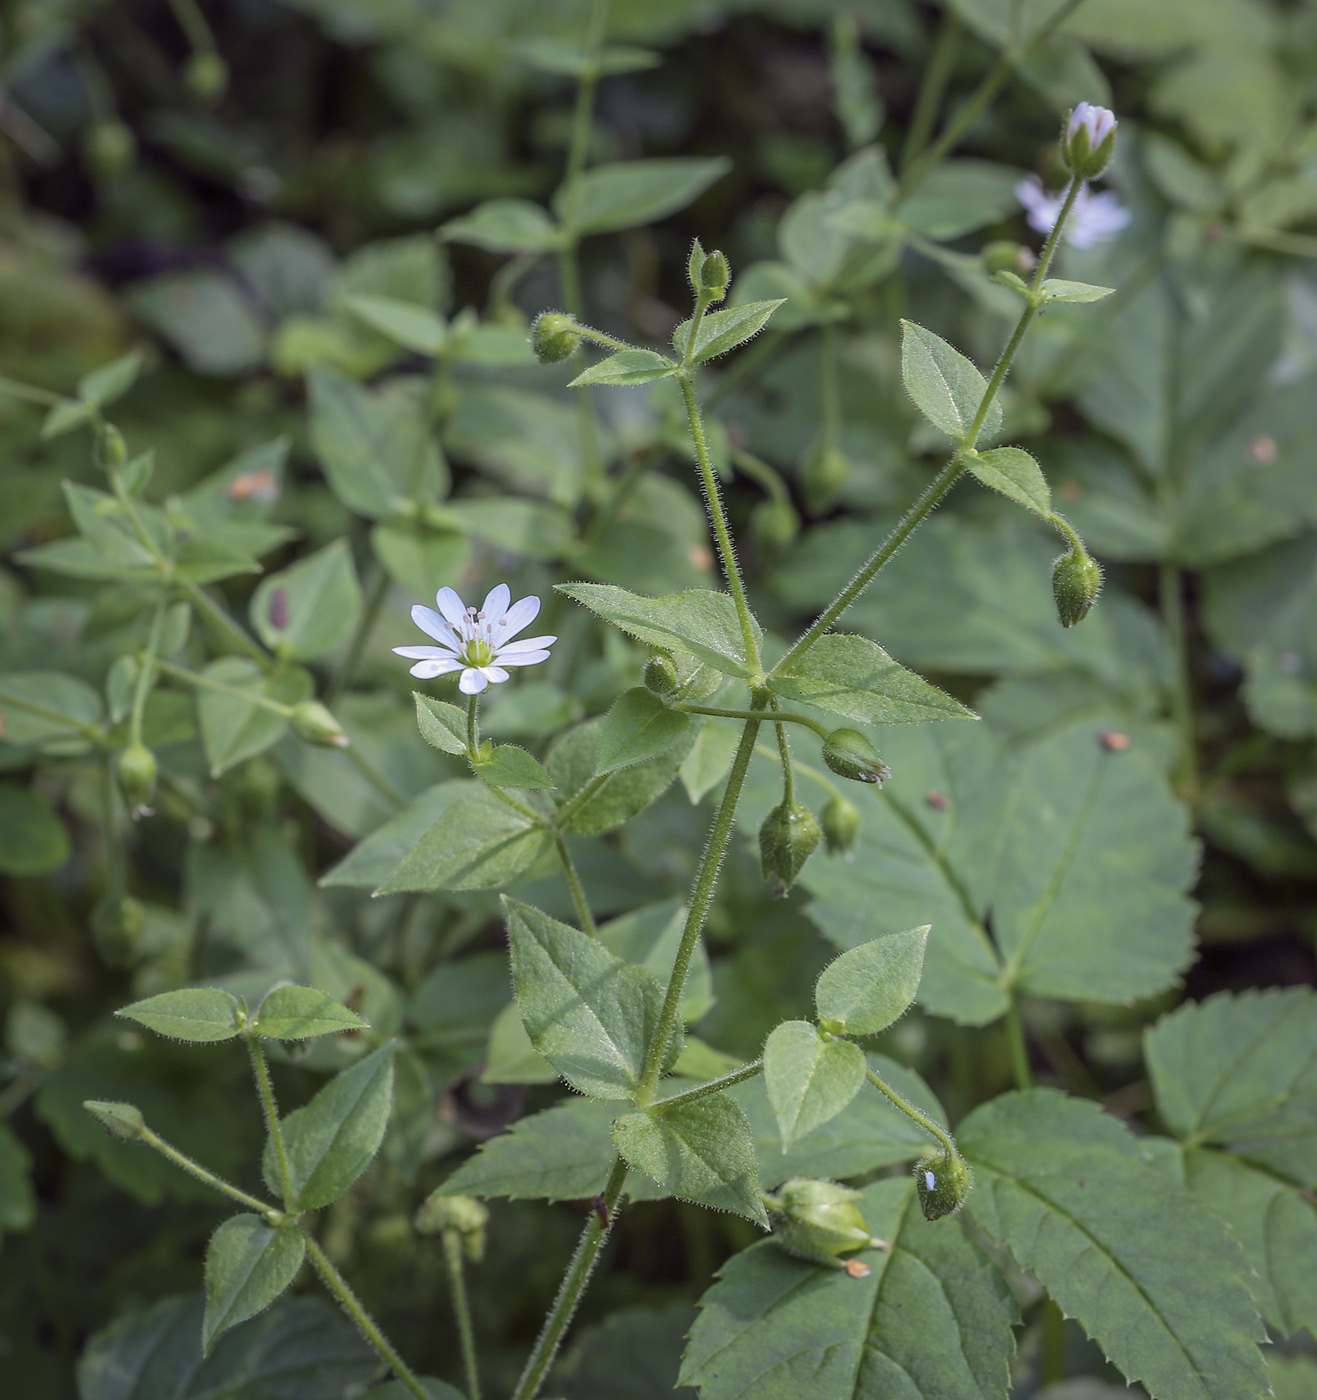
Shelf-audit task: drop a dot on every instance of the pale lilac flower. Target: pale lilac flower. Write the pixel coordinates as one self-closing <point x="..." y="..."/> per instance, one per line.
<point x="1099" y="122"/>
<point x="1095" y="218"/>
<point x="477" y="642"/>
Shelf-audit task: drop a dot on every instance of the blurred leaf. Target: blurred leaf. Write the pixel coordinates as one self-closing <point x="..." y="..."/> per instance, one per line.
<point x="18" y="1205"/>
<point x="633" y="1354"/>
<point x="49" y="711"/>
<point x="611" y="197"/>
<point x="33" y="840"/>
<point x="957" y="197"/>
<point x="306" y="611"/>
<point x="248" y="1265"/>
<point x="233" y="729"/>
<point x="505" y="226"/>
<point x="413" y="327"/>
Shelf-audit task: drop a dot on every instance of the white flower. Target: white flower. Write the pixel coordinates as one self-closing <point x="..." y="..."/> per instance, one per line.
<point x="1095" y="218"/>
<point x="1099" y="122"/>
<point x="476" y="642"/>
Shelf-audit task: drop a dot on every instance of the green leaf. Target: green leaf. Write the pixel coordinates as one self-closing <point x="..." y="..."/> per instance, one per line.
<point x="572" y="763"/>
<point x="710" y="756"/>
<point x="1157" y="1282"/>
<point x="409" y="325"/>
<point x="932" y="1319"/>
<point x="191" y="1013"/>
<point x="697" y="621"/>
<point x="331" y="1140"/>
<point x="866" y="989"/>
<point x="509" y="766"/>
<point x="510" y="1058"/>
<point x="810" y="1080"/>
<point x="629" y="193"/>
<point x="232" y="728"/>
<point x="649" y="937"/>
<point x="946" y="387"/>
<point x="959" y="196"/>
<point x="442" y="726"/>
<point x="638" y="726"/>
<point x="505" y="226"/>
<point x="48" y="710"/>
<point x="416" y="552"/>
<point x="248" y="1265"/>
<point x="478" y="842"/>
<point x="626" y="367"/>
<point x="588" y="1013"/>
<point x="854" y="677"/>
<point x="371" y="860"/>
<point x="633" y="1354"/>
<point x="33" y="840"/>
<point x="701" y="1151"/>
<point x="1056" y="289"/>
<point x="1241" y="1071"/>
<point x="305" y="612"/>
<point x="721" y="331"/>
<point x="1016" y="475"/>
<point x="299" y="1013"/>
<point x="110" y="382"/>
<point x="562" y="1154"/>
<point x="301" y="1349"/>
<point x="18" y="1206"/>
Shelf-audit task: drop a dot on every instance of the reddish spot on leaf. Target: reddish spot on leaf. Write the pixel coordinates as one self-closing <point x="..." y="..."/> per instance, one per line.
<point x="279" y="608"/>
<point x="938" y="801"/>
<point x="1114" y="741"/>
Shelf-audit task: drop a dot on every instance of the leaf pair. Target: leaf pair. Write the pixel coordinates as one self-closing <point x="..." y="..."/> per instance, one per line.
<point x="203" y="1014"/>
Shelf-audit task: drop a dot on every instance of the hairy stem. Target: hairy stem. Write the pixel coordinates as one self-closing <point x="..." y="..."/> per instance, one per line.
<point x="779" y="716"/>
<point x="574" y="885"/>
<point x="714" y="1086"/>
<point x="462" y="1311"/>
<point x="925" y="1122"/>
<point x="208" y="1178"/>
<point x="272" y="1124"/>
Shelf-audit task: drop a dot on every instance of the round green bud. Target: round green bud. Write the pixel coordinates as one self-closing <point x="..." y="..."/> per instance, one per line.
<point x="850" y="755"/>
<point x="774" y="525"/>
<point x="841" y="826"/>
<point x="207" y="75"/>
<point x="111" y="448"/>
<point x="553" y="337"/>
<point x="312" y="722"/>
<point x="116" y="927"/>
<point x="787" y="839"/>
<point x="137" y="775"/>
<point x="120" y="1120"/>
<point x="661" y="674"/>
<point x="1076" y="583"/>
<point x="818" y="1220"/>
<point x="942" y="1182"/>
<point x="1088" y="140"/>
<point x="715" y="276"/>
<point x="823" y="474"/>
<point x="109" y="147"/>
<point x="466" y="1216"/>
<point x="1006" y="256"/>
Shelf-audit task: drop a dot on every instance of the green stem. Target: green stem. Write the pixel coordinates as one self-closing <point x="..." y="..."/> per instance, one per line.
<point x="1171" y="597"/>
<point x="272" y="1125"/>
<point x="193" y="24"/>
<point x="1052" y="1361"/>
<point x="351" y="1305"/>
<point x="706" y="880"/>
<point x="714" y="1086"/>
<point x="145" y="675"/>
<point x="758" y="470"/>
<point x="208" y="1178"/>
<point x="925" y="1122"/>
<point x="462" y="1311"/>
<point x="1018" y="1047"/>
<point x="116" y="873"/>
<point x="779" y="716"/>
<point x="200" y="682"/>
<point x="391" y="794"/>
<point x="803" y="769"/>
<point x="784" y="752"/>
<point x="932" y="88"/>
<point x="574" y="885"/>
<point x="573" y="1285"/>
<point x="473" y="727"/>
<point x="205" y="604"/>
<point x="829" y="385"/>
<point x="574" y="804"/>
<point x="718" y="517"/>
<point x="379" y="591"/>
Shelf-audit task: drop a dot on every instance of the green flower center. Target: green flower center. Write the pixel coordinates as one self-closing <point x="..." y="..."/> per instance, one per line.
<point x="477" y="653"/>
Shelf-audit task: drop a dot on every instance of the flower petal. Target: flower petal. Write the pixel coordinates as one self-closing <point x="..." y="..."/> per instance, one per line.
<point x="451" y="605"/>
<point x="436" y="666"/>
<point x="522" y="658"/>
<point x="526" y="644"/>
<point x="510" y="621"/>
<point x="496" y="603"/>
<point x="472" y="681"/>
<point x="433" y="625"/>
<point x="423" y="653"/>
<point x="495" y="675"/>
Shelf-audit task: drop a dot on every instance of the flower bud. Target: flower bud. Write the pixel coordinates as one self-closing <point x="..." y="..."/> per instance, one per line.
<point x="715" y="276"/>
<point x="120" y="1120"/>
<point x="1007" y="256"/>
<point x="818" y="1220"/>
<point x="695" y="264"/>
<point x="787" y="839"/>
<point x="109" y="148"/>
<point x="850" y="755"/>
<point x="942" y="1183"/>
<point x="1088" y="141"/>
<point x="466" y="1216"/>
<point x="774" y="525"/>
<point x="841" y="826"/>
<point x="111" y="449"/>
<point x="823" y="474"/>
<point x="312" y="722"/>
<point x="661" y="674"/>
<point x="553" y="337"/>
<point x="137" y="775"/>
<point x="1076" y="583"/>
<point x="207" y="75"/>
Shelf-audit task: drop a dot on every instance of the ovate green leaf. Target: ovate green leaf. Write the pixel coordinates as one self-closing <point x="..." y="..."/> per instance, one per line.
<point x="630" y="193"/>
<point x="191" y="1013"/>
<point x="721" y="331"/>
<point x="1016" y="475"/>
<point x="248" y="1265"/>
<point x="638" y="726"/>
<point x="505" y="226"/>
<point x="946" y="387"/>
<point x="511" y="767"/>
<point x="299" y="1013"/>
<point x="869" y="987"/>
<point x="809" y="1079"/>
<point x="442" y="726"/>
<point x="33" y="840"/>
<point x="304" y="612"/>
<point x="627" y="367"/>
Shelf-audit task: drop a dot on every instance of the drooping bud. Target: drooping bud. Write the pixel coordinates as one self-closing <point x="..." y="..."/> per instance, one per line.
<point x="661" y="674"/>
<point x="818" y="1220"/>
<point x="774" y="525"/>
<point x="823" y="474"/>
<point x="715" y="276"/>
<point x="120" y="1120"/>
<point x="466" y="1216"/>
<point x="137" y="775"/>
<point x="850" y="755"/>
<point x="1076" y="583"/>
<point x="207" y="75"/>
<point x="553" y="337"/>
<point x="841" y="826"/>
<point x="312" y="722"/>
<point x="1007" y="256"/>
<point x="942" y="1183"/>
<point x="787" y="839"/>
<point x="1088" y="140"/>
